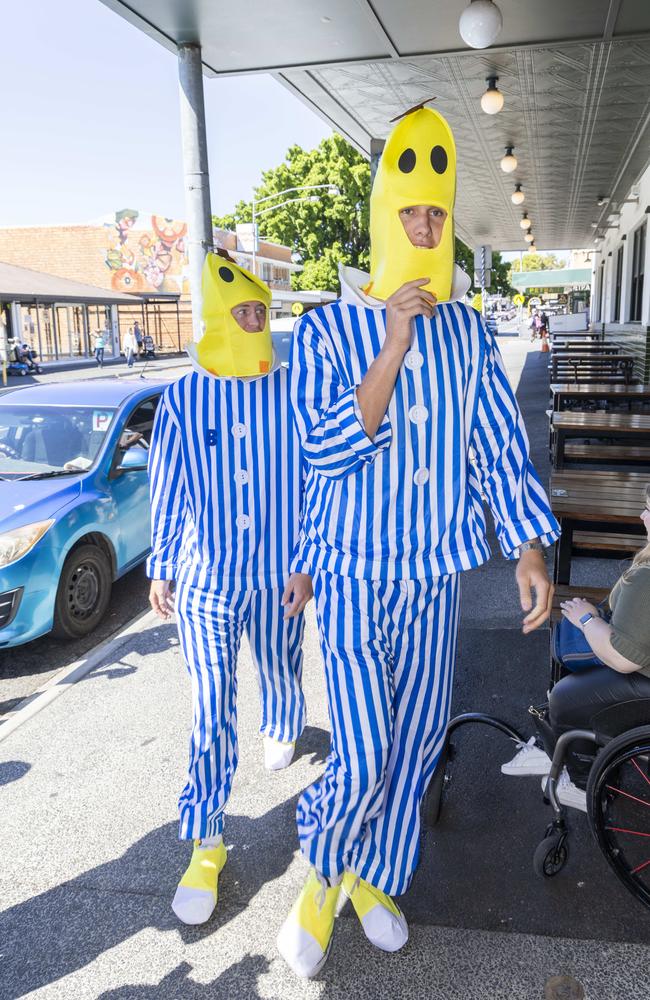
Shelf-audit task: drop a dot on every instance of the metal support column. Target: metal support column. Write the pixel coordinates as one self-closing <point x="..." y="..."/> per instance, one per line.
<point x="376" y="149"/>
<point x="195" y="168"/>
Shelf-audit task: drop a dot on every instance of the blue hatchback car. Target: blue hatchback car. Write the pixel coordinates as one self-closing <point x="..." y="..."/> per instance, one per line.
<point x="74" y="501"/>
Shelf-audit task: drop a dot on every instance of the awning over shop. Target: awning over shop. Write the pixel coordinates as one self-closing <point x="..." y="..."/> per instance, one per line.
<point x="566" y="277"/>
<point x="21" y="284"/>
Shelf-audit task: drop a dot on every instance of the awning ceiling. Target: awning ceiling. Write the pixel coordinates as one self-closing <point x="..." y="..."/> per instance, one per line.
<point x="575" y="75"/>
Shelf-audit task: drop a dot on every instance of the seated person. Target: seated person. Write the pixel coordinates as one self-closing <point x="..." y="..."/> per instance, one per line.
<point x="576" y="702"/>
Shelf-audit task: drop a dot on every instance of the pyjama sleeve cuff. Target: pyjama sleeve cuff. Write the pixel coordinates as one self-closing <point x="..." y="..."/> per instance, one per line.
<point x="159" y="569"/>
<point x="515" y="533"/>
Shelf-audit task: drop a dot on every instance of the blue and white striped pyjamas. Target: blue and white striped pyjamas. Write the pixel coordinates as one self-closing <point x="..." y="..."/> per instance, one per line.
<point x="210" y="627"/>
<point x="389" y="652"/>
<point x="226" y="489"/>
<point x="388" y="525"/>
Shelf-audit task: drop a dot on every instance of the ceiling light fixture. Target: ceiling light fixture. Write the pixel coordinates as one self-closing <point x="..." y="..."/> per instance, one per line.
<point x="532" y="248"/>
<point x="602" y="200"/>
<point x="525" y="222"/>
<point x="480" y="23"/>
<point x="517" y="197"/>
<point x="509" y="161"/>
<point x="492" y="99"/>
<point x="529" y="237"/>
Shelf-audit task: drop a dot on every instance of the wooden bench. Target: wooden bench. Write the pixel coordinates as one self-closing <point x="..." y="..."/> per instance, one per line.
<point x="587" y="393"/>
<point x="591" y="368"/>
<point x="601" y="504"/>
<point x="606" y="454"/>
<point x="599" y="425"/>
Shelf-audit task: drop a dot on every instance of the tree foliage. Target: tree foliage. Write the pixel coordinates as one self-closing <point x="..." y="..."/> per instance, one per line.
<point x="332" y="228"/>
<point x="537" y="262"/>
<point x="326" y="231"/>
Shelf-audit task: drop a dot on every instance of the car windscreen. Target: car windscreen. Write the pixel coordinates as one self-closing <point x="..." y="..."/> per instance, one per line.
<point x="41" y="440"/>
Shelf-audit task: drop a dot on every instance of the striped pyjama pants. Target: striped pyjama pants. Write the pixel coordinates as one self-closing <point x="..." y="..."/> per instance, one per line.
<point x="389" y="652"/>
<point x="210" y="627"/>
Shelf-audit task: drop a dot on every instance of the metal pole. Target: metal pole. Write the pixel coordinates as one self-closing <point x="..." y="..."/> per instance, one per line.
<point x="195" y="168"/>
<point x="254" y="240"/>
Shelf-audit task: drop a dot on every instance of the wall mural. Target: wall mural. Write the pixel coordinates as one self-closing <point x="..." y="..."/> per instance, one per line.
<point x="146" y="260"/>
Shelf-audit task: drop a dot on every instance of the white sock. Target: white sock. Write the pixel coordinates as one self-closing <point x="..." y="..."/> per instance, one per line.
<point x="209" y="843"/>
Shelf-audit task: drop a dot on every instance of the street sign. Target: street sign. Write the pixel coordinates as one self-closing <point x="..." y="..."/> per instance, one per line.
<point x="535" y="301"/>
<point x="247" y="237"/>
<point x="518" y="300"/>
<point x="297" y="309"/>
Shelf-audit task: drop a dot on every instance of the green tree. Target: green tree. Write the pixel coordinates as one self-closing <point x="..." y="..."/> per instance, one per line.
<point x="330" y="229"/>
<point x="537" y="262"/>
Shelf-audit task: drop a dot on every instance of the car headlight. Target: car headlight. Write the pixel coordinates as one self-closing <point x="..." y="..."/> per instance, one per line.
<point x="16" y="543"/>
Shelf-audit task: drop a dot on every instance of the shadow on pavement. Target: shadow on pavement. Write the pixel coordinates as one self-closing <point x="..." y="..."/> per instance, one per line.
<point x="239" y="980"/>
<point x="66" y="928"/>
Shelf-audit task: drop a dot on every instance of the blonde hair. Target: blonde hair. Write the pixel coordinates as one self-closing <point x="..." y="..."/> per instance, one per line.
<point x="642" y="558"/>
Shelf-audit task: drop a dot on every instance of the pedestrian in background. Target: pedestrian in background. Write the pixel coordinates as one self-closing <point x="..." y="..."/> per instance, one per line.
<point x="137" y="333"/>
<point x="129" y="345"/>
<point x="100" y="345"/>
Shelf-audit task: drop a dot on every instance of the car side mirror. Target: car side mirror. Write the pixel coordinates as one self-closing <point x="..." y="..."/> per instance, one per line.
<point x="134" y="459"/>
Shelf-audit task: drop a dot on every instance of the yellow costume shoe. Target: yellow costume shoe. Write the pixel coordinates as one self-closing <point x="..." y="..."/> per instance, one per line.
<point x="196" y="895"/>
<point x="383" y="922"/>
<point x="277" y="755"/>
<point x="306" y="935"/>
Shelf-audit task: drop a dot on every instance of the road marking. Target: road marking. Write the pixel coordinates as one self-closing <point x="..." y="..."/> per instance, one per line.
<point x="66" y="678"/>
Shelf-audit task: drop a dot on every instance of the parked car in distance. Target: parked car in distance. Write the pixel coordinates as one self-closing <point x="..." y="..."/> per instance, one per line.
<point x="74" y="501"/>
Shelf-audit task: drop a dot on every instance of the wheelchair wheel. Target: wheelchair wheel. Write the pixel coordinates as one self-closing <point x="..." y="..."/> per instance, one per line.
<point x="618" y="803"/>
<point x="552" y="854"/>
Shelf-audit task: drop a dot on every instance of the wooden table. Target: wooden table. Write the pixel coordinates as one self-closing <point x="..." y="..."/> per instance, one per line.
<point x="601" y="503"/>
<point x="568" y="424"/>
<point x="576" y="347"/>
<point x="566" y="392"/>
<point x="592" y="368"/>
<point x="577" y="335"/>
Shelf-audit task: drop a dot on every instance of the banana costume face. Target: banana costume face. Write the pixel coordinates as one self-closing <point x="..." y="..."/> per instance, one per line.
<point x="417" y="167"/>
<point x="225" y="349"/>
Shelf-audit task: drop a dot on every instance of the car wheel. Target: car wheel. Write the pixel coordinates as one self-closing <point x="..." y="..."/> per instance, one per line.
<point x="83" y="593"/>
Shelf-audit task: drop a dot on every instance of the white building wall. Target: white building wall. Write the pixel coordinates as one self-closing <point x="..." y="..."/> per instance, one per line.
<point x="631" y="215"/>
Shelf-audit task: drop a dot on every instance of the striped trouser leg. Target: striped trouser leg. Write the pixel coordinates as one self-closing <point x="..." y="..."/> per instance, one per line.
<point x="352" y="618"/>
<point x="210" y="625"/>
<point x="276" y="646"/>
<point x="423" y="636"/>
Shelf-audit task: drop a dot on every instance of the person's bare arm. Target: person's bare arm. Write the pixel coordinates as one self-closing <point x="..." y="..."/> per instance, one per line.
<point x="376" y="388"/>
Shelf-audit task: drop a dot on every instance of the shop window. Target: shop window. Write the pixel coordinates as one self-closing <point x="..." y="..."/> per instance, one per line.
<point x="638" y="264"/>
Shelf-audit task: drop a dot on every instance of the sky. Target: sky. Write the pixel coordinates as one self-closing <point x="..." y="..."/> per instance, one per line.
<point x="90" y="117"/>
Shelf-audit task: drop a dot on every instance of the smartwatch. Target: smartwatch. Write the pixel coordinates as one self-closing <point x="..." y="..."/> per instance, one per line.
<point x="586" y="618"/>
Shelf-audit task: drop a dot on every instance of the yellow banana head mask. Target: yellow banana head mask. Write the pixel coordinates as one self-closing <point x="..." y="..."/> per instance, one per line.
<point x="225" y="348"/>
<point x="417" y="167"/>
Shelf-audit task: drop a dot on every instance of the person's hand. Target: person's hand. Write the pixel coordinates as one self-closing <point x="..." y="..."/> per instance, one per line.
<point x="531" y="575"/>
<point x="161" y="598"/>
<point x="403" y="305"/>
<point x="576" y="608"/>
<point x="297" y="594"/>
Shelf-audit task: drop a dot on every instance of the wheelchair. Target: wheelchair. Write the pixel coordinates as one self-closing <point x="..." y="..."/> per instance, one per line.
<point x="618" y="793"/>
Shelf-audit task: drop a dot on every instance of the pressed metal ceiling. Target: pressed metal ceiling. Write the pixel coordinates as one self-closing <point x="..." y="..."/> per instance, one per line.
<point x="575" y="75"/>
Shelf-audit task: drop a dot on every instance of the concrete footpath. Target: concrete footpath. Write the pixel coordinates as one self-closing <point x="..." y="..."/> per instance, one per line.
<point x="90" y="858"/>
